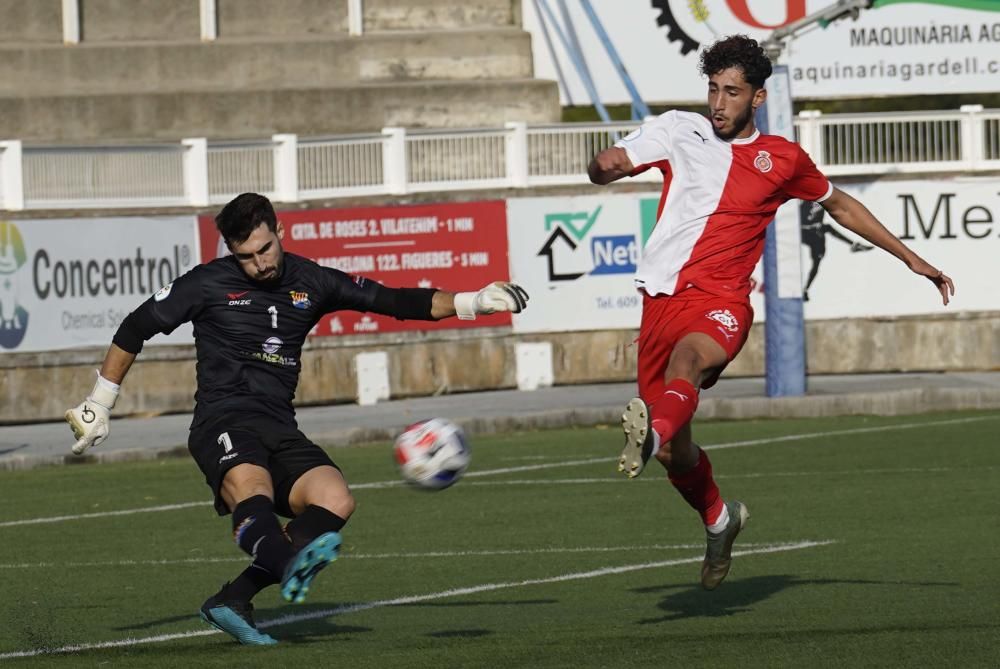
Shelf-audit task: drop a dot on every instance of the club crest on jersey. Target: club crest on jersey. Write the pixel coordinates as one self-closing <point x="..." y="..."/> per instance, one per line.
<point x="763" y="162"/>
<point x="300" y="300"/>
<point x="725" y="318"/>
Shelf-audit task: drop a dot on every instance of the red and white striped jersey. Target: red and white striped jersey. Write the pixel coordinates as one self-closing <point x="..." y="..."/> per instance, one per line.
<point x="717" y="200"/>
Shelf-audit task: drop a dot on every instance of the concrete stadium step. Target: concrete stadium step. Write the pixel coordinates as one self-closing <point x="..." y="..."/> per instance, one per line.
<point x="259" y="113"/>
<point x="148" y="67"/>
<point x="40" y="21"/>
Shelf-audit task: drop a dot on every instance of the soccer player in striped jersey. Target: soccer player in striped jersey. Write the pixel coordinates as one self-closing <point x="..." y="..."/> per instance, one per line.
<point x="723" y="181"/>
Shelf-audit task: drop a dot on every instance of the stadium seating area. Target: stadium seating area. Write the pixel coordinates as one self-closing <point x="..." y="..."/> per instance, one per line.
<point x="141" y="70"/>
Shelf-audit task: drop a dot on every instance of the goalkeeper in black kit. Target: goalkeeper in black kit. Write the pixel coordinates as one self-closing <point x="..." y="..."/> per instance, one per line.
<point x="251" y="313"/>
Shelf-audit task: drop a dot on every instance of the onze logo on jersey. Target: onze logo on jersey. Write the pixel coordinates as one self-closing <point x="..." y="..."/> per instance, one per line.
<point x="300" y="300"/>
<point x="238" y="299"/>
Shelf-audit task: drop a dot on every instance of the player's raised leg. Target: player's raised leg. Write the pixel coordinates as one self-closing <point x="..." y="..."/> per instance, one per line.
<point x="322" y="504"/>
<point x="697" y="359"/>
<point x="723" y="520"/>
<point x="247" y="490"/>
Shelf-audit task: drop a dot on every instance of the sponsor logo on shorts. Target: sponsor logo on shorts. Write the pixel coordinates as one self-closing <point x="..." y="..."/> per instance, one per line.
<point x="725" y="318"/>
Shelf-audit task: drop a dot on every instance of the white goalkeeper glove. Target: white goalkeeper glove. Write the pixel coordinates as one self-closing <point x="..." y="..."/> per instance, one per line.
<point x="90" y="420"/>
<point x="498" y="296"/>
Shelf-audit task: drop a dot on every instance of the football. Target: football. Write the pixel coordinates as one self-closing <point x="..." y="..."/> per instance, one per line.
<point x="432" y="454"/>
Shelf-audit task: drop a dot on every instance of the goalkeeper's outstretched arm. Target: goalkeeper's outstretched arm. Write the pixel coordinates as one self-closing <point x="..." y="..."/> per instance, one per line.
<point x="90" y="420"/>
<point x="433" y="305"/>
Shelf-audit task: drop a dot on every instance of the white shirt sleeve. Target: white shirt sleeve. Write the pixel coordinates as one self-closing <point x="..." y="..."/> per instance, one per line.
<point x="651" y="142"/>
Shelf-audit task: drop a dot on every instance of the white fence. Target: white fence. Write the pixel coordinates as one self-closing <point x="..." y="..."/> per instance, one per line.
<point x="197" y="172"/>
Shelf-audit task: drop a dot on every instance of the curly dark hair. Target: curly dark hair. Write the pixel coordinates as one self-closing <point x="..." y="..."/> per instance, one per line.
<point x="737" y="51"/>
<point x="242" y="215"/>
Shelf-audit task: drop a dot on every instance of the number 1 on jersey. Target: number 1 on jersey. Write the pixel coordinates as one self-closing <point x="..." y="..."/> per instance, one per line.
<point x="273" y="310"/>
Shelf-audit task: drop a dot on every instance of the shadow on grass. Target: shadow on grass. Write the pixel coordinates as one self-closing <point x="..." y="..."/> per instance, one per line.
<point x="305" y="629"/>
<point x="740" y="595"/>
<point x="460" y="634"/>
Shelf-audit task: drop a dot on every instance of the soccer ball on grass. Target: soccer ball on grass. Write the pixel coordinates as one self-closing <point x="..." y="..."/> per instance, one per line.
<point x="432" y="454"/>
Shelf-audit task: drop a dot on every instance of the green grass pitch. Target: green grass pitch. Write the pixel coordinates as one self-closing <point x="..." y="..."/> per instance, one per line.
<point x="872" y="542"/>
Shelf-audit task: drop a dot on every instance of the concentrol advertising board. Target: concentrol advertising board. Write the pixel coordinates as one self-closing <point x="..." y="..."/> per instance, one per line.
<point x="69" y="283"/>
<point x="899" y="47"/>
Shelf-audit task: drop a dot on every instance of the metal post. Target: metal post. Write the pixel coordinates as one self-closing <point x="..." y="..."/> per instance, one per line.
<point x="637" y="102"/>
<point x="394" y="167"/>
<point x="71" y="21"/>
<point x="208" y="11"/>
<point x="196" y="171"/>
<point x="517" y="153"/>
<point x="784" y="326"/>
<point x="545" y="12"/>
<point x="972" y="135"/>
<point x="286" y="167"/>
<point x="355" y="18"/>
<point x="809" y="137"/>
<point x="12" y="189"/>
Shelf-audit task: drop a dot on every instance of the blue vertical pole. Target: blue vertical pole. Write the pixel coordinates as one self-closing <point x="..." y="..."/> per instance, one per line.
<point x="616" y="61"/>
<point x="544" y="12"/>
<point x="784" y="327"/>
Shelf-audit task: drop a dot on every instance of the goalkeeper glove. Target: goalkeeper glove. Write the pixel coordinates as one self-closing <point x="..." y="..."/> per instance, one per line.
<point x="90" y="419"/>
<point x="498" y="296"/>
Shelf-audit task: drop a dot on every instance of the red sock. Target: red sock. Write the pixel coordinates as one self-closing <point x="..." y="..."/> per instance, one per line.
<point x="699" y="490"/>
<point x="674" y="409"/>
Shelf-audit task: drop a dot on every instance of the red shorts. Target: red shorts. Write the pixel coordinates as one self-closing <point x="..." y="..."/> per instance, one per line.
<point x="668" y="318"/>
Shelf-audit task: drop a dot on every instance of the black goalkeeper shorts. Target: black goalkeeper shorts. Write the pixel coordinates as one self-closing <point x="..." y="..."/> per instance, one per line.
<point x="220" y="444"/>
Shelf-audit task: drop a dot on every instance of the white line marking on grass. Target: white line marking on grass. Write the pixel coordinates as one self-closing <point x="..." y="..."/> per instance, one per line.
<point x="103" y="645"/>
<point x="370" y="556"/>
<point x="660" y="479"/>
<point x="103" y="514"/>
<point x="524" y="468"/>
<point x="412" y="599"/>
<point x="853" y="430"/>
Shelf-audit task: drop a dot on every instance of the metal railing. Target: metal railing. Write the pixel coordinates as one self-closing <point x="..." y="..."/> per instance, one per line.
<point x="396" y="161"/>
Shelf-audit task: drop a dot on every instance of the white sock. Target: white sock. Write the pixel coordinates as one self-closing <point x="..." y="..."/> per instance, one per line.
<point x="656" y="442"/>
<point x="721" y="523"/>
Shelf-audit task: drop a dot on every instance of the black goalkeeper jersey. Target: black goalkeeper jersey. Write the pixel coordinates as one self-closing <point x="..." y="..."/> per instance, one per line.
<point x="248" y="336"/>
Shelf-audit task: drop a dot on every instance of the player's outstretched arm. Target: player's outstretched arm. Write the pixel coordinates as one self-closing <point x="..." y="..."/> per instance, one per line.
<point x="497" y="296"/>
<point x="854" y="216"/>
<point x="90" y="420"/>
<point x="609" y="165"/>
